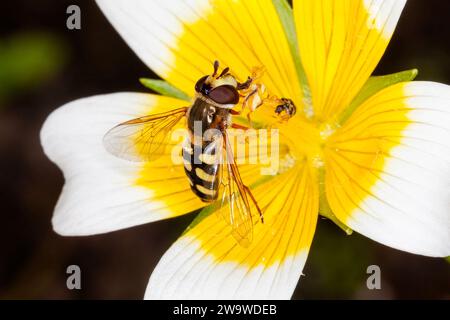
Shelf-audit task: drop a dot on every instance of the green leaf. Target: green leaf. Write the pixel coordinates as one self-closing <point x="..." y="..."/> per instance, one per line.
<point x="374" y="85"/>
<point x="205" y="212"/>
<point x="164" y="88"/>
<point x="286" y="16"/>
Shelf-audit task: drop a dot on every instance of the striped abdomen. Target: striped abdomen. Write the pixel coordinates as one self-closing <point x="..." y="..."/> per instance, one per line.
<point x="201" y="165"/>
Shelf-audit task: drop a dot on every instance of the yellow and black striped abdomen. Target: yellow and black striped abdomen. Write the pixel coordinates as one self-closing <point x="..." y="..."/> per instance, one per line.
<point x="202" y="165"/>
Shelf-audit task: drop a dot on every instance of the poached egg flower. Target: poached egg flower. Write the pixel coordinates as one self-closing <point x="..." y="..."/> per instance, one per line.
<point x="370" y="153"/>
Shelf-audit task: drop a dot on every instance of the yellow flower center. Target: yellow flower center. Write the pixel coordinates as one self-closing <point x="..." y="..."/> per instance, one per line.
<point x="308" y="139"/>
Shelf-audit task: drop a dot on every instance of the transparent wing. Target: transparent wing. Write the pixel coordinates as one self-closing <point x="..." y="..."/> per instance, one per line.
<point x="236" y="203"/>
<point x="145" y="138"/>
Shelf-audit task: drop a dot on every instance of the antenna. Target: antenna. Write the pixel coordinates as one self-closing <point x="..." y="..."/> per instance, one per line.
<point x="216" y="67"/>
<point x="224" y="72"/>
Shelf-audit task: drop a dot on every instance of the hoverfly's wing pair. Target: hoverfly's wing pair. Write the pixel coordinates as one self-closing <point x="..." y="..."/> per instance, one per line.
<point x="236" y="204"/>
<point x="146" y="139"/>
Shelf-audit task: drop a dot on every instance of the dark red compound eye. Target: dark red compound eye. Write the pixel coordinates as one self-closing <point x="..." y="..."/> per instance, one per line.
<point x="225" y="94"/>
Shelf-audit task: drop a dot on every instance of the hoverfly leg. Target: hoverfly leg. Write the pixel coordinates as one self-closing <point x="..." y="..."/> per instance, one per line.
<point x="252" y="101"/>
<point x="239" y="127"/>
<point x="261" y="216"/>
<point x="248" y="97"/>
<point x="245" y="85"/>
<point x="249" y="118"/>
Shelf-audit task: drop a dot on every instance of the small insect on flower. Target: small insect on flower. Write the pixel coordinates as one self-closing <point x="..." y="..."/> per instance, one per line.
<point x="207" y="154"/>
<point x="286" y="109"/>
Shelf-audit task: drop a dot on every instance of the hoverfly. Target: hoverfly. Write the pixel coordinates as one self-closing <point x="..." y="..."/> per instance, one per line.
<point x="212" y="171"/>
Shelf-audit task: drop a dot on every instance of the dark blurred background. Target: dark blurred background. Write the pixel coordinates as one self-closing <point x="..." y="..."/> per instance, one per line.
<point x="44" y="65"/>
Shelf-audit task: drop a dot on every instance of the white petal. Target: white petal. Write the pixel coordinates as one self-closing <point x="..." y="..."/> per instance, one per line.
<point x="179" y="39"/>
<point x="175" y="278"/>
<point x="208" y="263"/>
<point x="408" y="205"/>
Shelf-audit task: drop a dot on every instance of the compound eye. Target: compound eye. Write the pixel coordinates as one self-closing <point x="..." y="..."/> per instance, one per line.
<point x="200" y="83"/>
<point x="225" y="94"/>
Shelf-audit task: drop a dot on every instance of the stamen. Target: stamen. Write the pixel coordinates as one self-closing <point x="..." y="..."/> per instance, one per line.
<point x="286" y="163"/>
<point x="317" y="162"/>
<point x="326" y="131"/>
